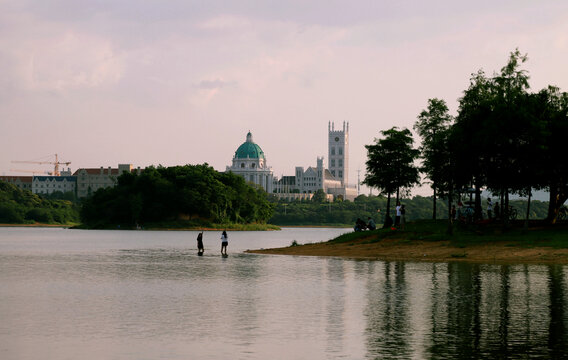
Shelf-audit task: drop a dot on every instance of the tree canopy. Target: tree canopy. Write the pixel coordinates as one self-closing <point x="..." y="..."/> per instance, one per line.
<point x="19" y="206"/>
<point x="191" y="192"/>
<point x="390" y="163"/>
<point x="504" y="139"/>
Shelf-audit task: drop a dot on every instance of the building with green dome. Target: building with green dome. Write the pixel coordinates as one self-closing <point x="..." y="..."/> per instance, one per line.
<point x="250" y="163"/>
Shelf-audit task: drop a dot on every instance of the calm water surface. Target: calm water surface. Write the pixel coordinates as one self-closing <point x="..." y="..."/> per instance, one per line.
<point x="71" y="294"/>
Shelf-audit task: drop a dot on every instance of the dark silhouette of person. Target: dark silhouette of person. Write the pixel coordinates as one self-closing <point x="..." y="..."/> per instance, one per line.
<point x="224" y="242"/>
<point x="200" y="248"/>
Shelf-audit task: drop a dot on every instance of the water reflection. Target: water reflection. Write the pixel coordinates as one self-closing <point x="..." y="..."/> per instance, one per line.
<point x="466" y="311"/>
<point x="129" y="296"/>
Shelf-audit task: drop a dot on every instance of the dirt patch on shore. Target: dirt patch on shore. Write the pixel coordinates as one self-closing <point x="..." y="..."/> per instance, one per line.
<point x="431" y="251"/>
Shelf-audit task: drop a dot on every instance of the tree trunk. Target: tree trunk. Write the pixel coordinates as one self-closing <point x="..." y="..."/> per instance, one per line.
<point x="501" y="202"/>
<point x="528" y="209"/>
<point x="477" y="210"/>
<point x="557" y="199"/>
<point x="506" y="209"/>
<point x="434" y="206"/>
<point x="450" y="220"/>
<point x="387" y="215"/>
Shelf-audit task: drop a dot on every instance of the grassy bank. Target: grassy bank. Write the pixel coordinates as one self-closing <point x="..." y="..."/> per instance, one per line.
<point x="429" y="241"/>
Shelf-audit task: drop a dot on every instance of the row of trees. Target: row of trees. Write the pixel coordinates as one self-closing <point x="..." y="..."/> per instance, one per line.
<point x="504" y="139"/>
<point x="165" y="194"/>
<point x="19" y="206"/>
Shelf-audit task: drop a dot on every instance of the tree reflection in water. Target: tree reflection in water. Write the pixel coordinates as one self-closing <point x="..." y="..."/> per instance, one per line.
<point x="458" y="310"/>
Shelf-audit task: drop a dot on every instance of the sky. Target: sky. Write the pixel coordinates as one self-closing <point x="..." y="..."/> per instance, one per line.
<point x="177" y="82"/>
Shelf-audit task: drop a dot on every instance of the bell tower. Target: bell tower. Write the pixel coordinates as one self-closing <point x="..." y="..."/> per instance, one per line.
<point x="338" y="152"/>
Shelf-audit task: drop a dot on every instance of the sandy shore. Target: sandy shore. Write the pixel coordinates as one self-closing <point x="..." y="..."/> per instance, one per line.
<point x="431" y="251"/>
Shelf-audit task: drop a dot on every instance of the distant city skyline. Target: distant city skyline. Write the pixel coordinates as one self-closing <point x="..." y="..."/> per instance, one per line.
<point x="182" y="82"/>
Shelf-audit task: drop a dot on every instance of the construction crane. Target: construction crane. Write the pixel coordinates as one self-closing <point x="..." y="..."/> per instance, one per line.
<point x="32" y="171"/>
<point x="55" y="163"/>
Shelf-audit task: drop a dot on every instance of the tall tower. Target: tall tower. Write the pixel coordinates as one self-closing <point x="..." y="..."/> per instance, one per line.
<point x="338" y="152"/>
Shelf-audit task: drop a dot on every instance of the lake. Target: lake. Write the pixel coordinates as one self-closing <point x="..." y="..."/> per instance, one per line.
<point x="76" y="294"/>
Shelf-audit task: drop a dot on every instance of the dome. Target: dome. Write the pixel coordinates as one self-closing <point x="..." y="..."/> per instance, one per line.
<point x="249" y="150"/>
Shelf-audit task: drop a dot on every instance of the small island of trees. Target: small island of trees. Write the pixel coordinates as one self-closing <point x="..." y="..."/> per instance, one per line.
<point x="179" y="196"/>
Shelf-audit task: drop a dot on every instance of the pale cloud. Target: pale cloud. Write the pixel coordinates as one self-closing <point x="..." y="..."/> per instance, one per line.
<point x="53" y="57"/>
<point x="72" y="61"/>
<point x="215" y="84"/>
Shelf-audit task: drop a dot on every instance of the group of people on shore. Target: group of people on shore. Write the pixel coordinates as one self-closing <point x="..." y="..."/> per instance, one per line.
<point x="399" y="220"/>
<point x="466" y="214"/>
<point x="224" y="243"/>
<point x="361" y="225"/>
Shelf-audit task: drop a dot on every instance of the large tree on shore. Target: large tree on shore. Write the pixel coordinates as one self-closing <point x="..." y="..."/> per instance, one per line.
<point x="432" y="126"/>
<point x="390" y="164"/>
<point x="468" y="136"/>
<point x="554" y="167"/>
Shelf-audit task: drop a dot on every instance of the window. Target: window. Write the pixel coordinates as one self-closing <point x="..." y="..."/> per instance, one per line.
<point x="332" y="162"/>
<point x="340" y="173"/>
<point x="340" y="162"/>
<point x="252" y="165"/>
<point x="242" y="165"/>
<point x="333" y="172"/>
<point x="340" y="150"/>
<point x="333" y="150"/>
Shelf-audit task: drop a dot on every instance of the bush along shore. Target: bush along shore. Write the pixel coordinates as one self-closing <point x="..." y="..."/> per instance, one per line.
<point x="428" y="240"/>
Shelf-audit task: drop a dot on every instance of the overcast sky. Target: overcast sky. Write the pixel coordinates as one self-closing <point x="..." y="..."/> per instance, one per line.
<point x="177" y="82"/>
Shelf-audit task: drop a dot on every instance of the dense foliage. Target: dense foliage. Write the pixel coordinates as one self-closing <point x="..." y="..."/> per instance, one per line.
<point x="508" y="140"/>
<point x="347" y="212"/>
<point x="503" y="139"/>
<point x="19" y="206"/>
<point x="390" y="163"/>
<point x="181" y="193"/>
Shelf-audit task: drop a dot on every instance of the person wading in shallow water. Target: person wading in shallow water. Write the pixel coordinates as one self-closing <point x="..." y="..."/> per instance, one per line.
<point x="200" y="249"/>
<point x="224" y="242"/>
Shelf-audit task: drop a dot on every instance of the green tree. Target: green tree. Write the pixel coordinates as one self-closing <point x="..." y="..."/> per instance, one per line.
<point x="553" y="167"/>
<point x="432" y="126"/>
<point x="390" y="164"/>
<point x="319" y="196"/>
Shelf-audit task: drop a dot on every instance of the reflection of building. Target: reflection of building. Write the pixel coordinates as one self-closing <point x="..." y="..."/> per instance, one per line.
<point x="250" y="163"/>
<point x="23" y="182"/>
<point x="90" y="180"/>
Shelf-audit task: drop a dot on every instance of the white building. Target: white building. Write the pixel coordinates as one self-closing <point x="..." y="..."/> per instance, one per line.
<point x="51" y="184"/>
<point x="338" y="152"/>
<point x="250" y="163"/>
<point x="332" y="180"/>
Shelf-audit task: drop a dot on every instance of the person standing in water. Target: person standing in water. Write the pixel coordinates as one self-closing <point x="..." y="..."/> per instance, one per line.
<point x="200" y="248"/>
<point x="224" y="242"/>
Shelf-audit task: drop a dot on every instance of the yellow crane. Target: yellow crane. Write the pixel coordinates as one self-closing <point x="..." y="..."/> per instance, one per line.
<point x="55" y="163"/>
<point x="32" y="171"/>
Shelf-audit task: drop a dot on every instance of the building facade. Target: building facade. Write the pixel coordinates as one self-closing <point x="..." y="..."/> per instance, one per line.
<point x="90" y="180"/>
<point x="45" y="185"/>
<point x="338" y="152"/>
<point x="249" y="162"/>
<point x="22" y="182"/>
